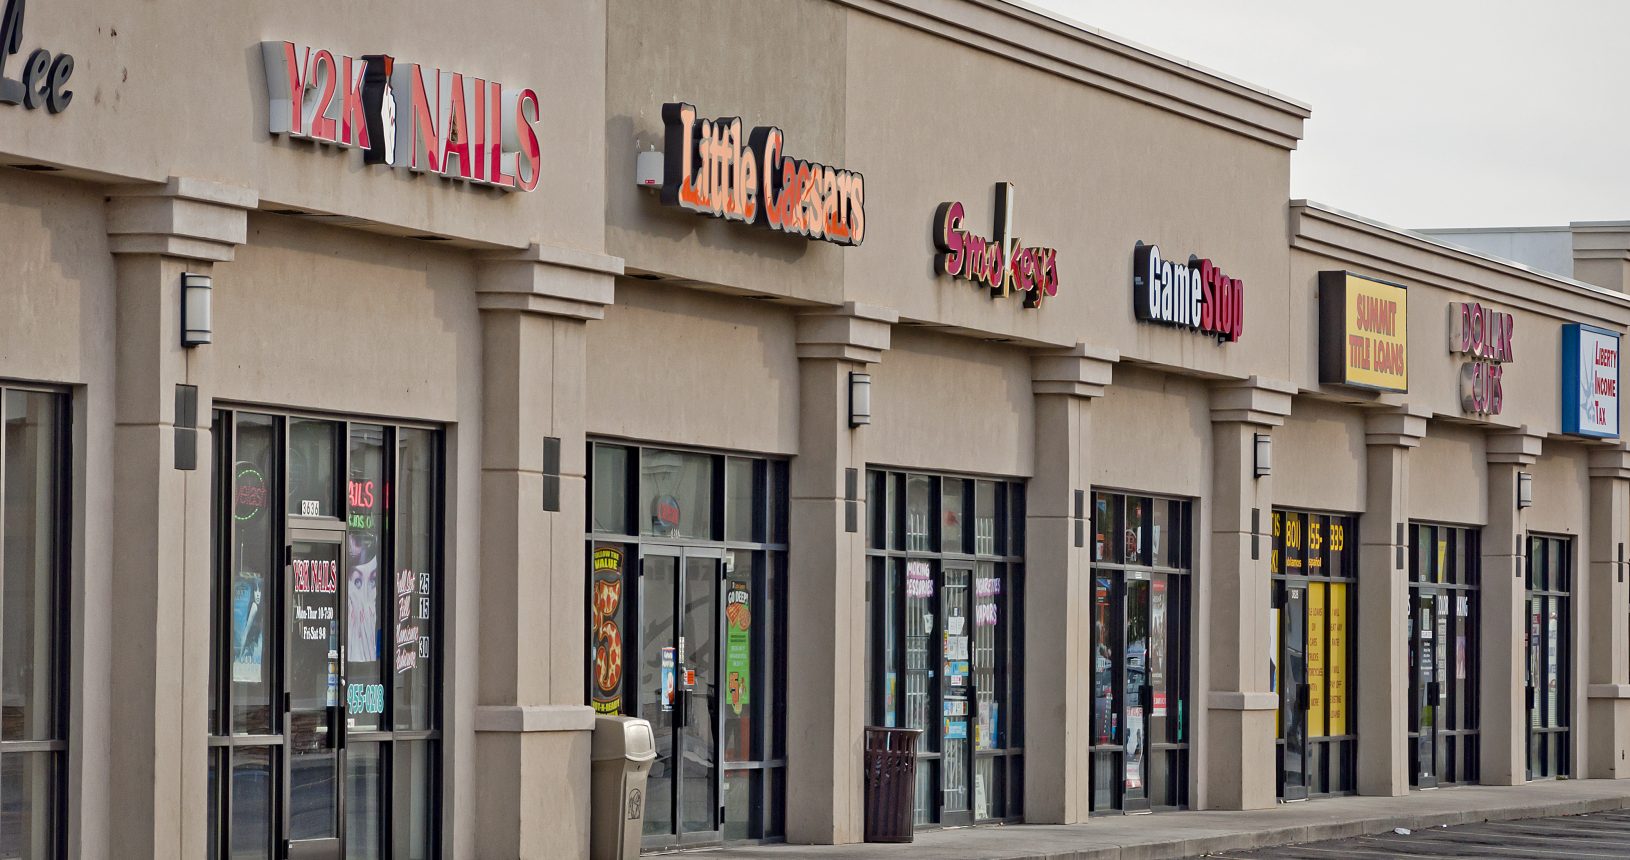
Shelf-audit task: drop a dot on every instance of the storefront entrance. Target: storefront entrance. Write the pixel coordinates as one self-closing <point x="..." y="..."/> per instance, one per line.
<point x="1550" y="614"/>
<point x="681" y="638"/>
<point x="1442" y="629"/>
<point x="1293" y="690"/>
<point x="314" y="731"/>
<point x="1140" y="674"/>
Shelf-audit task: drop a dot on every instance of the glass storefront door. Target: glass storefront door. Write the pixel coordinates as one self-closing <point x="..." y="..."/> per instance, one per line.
<point x="314" y="720"/>
<point x="1293" y="686"/>
<point x="1425" y="683"/>
<point x="681" y="629"/>
<point x="1549" y="623"/>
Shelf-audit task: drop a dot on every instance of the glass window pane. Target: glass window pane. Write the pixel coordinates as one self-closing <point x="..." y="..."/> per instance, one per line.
<point x="1105" y="508"/>
<point x="984" y="507"/>
<point x="988" y="630"/>
<point x="1161" y="541"/>
<point x="920" y="630"/>
<point x="773" y="677"/>
<point x="312" y="475"/>
<point x="888" y="596"/>
<point x="778" y="501"/>
<point x="877" y="510"/>
<point x="27" y="819"/>
<point x="27" y="676"/>
<point x="610" y="591"/>
<point x="257" y="564"/>
<point x="919" y="513"/>
<point x="364" y="562"/>
<point x="741" y="503"/>
<point x="610" y="511"/>
<point x="676" y="490"/>
<point x="412" y="817"/>
<point x="252" y="807"/>
<point x="364" y="802"/>
<point x="739" y="806"/>
<point x="951" y="517"/>
<point x="413" y="589"/>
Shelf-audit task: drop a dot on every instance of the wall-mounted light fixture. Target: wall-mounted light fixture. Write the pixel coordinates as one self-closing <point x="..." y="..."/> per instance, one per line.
<point x="1263" y="455"/>
<point x="1525" y="490"/>
<point x="197" y="326"/>
<point x="860" y="398"/>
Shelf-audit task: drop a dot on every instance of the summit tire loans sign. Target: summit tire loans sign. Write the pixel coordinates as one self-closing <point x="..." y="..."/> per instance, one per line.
<point x="1195" y="295"/>
<point x="403" y="114"/>
<point x="711" y="168"/>
<point x="1590" y="381"/>
<point x="1363" y="332"/>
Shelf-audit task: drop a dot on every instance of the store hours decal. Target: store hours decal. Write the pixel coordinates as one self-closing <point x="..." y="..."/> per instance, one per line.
<point x="412" y="617"/>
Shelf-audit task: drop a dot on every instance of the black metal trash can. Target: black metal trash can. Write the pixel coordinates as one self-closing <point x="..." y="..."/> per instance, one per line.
<point x="891" y="783"/>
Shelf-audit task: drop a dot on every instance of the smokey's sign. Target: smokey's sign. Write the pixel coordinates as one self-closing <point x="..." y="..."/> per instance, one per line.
<point x="1003" y="262"/>
<point x="712" y="167"/>
<point x="404" y="114"/>
<point x="1590" y="381"/>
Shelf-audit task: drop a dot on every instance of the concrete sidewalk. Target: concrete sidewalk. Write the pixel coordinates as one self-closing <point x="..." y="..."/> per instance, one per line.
<point x="1191" y="834"/>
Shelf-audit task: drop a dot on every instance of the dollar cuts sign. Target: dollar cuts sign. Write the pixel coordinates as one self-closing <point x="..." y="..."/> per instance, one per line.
<point x="606" y="596"/>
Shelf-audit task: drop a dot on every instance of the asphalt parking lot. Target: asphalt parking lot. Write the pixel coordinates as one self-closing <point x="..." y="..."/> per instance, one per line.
<point x="1602" y="834"/>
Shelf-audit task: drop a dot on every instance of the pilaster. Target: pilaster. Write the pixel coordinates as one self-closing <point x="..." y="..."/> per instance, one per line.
<point x="1607" y="615"/>
<point x="826" y="711"/>
<point x="1502" y="680"/>
<point x="1058" y="584"/>
<point x="532" y="730"/>
<point x="1239" y="704"/>
<point x="1383" y="599"/>
<point x="156" y="771"/>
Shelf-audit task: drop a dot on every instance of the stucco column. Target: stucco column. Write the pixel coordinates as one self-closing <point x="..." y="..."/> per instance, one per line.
<point x="532" y="726"/>
<point x="1502" y="682"/>
<point x="156" y="766"/>
<point x="1239" y="706"/>
<point x="826" y="581"/>
<point x="1383" y="601"/>
<point x="1058" y="585"/>
<point x="1607" y="615"/>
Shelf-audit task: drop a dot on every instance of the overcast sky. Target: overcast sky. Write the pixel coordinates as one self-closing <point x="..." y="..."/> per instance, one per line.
<point x="1428" y="113"/>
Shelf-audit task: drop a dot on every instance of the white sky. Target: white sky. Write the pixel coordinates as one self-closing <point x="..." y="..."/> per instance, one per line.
<point x="1429" y="113"/>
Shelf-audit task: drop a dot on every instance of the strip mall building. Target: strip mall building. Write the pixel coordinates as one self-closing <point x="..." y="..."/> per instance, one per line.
<point x="368" y="428"/>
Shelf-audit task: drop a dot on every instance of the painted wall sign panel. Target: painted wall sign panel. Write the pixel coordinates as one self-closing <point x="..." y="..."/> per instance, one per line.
<point x="1590" y="381"/>
<point x="403" y="114"/>
<point x="1196" y="295"/>
<point x="710" y="167"/>
<point x="1002" y="263"/>
<point x="1363" y="332"/>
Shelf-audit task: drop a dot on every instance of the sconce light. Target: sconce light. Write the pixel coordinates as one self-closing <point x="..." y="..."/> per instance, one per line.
<point x="196" y="324"/>
<point x="860" y="399"/>
<point x="1525" y="490"/>
<point x="1264" y="455"/>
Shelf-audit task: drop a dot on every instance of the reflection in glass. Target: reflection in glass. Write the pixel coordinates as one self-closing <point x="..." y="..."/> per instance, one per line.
<point x="27" y="675"/>
<point x="252" y="786"/>
<point x="658" y="693"/>
<point x="610" y="489"/>
<point x="413" y="592"/>
<point x="364" y="589"/>
<point x="26" y="786"/>
<point x="257" y="567"/>
<point x="413" y="776"/>
<point x="919" y="510"/>
<point x="699" y="793"/>
<point x="741" y="510"/>
<point x="676" y="493"/>
<point x="364" y="802"/>
<point x="312" y="481"/>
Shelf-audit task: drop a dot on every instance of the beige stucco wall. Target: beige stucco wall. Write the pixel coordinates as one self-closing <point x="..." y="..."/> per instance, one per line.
<point x="1319" y="458"/>
<point x="691" y="368"/>
<point x="1448" y="476"/>
<point x="1152" y="433"/>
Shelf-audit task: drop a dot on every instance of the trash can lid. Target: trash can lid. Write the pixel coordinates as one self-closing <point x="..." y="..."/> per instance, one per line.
<point x="622" y="738"/>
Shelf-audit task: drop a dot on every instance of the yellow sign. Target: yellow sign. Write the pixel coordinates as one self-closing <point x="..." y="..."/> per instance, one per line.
<point x="1315" y="659"/>
<point x="1363" y="332"/>
<point x="1338" y="658"/>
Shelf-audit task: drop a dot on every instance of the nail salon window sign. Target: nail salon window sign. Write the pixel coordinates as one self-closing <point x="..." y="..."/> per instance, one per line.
<point x="403" y="114"/>
<point x="1590" y="381"/>
<point x="1484" y="336"/>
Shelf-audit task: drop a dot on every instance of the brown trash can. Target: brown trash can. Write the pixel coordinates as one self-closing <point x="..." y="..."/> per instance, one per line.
<point x="891" y="783"/>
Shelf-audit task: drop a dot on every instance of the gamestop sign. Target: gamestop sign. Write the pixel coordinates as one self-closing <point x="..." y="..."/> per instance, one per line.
<point x="1195" y="295"/>
<point x="407" y="115"/>
<point x="1590" y="381"/>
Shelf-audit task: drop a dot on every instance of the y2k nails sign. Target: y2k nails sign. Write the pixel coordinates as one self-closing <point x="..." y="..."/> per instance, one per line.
<point x="403" y="114"/>
<point x="710" y="168"/>
<point x="1001" y="263"/>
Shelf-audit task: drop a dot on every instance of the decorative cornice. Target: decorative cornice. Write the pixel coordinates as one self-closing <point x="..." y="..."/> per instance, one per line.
<point x="1231" y="700"/>
<point x="851" y="332"/>
<point x="1611" y="461"/>
<point x="1607" y="691"/>
<point x="549" y="280"/>
<point x="534" y="718"/>
<point x="1513" y="446"/>
<point x="1397" y="428"/>
<point x="1027" y="35"/>
<point x="1082" y="371"/>
<point x="1264" y="402"/>
<point x="193" y="219"/>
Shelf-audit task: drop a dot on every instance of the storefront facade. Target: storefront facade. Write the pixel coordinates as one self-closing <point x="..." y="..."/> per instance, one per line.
<point x="548" y="375"/>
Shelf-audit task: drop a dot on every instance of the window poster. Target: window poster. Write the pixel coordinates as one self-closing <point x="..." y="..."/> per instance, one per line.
<point x="668" y="679"/>
<point x="919" y="580"/>
<point x="1338" y="658"/>
<point x="248" y="627"/>
<point x="606" y="629"/>
<point x="1157" y="647"/>
<point x="407" y="625"/>
<point x="738" y="645"/>
<point x="1315" y="659"/>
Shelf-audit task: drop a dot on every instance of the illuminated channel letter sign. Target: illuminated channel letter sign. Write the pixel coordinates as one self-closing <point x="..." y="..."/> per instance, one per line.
<point x="42" y="80"/>
<point x="1483" y="335"/>
<point x="1363" y="332"/>
<point x="1002" y="262"/>
<point x="1194" y="295"/>
<point x="711" y="169"/>
<point x="1590" y="381"/>
<point x="402" y="114"/>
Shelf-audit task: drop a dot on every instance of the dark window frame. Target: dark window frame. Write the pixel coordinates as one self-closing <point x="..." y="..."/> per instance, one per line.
<point x="1557" y="758"/>
<point x="1463" y="736"/>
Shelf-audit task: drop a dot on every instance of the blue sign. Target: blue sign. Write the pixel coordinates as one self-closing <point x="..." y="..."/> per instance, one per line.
<point x="1590" y="381"/>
